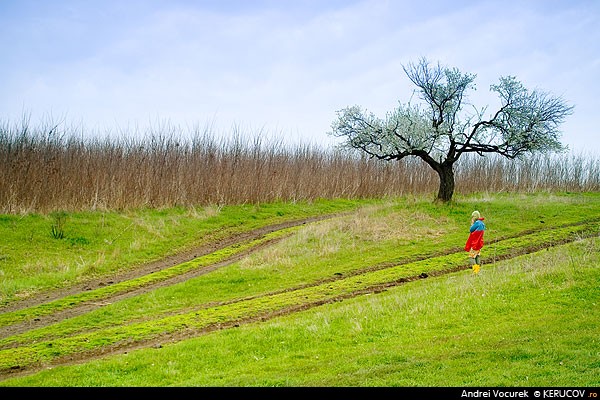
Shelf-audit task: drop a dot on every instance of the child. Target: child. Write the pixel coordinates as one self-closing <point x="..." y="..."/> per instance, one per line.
<point x="475" y="240"/>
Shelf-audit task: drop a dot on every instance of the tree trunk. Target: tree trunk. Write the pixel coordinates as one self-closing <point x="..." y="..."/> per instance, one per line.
<point x="446" y="174"/>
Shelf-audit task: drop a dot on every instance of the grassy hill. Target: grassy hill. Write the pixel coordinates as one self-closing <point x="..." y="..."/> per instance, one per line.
<point x="321" y="293"/>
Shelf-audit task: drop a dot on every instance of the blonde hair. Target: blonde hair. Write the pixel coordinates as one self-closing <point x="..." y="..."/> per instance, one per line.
<point x="476" y="215"/>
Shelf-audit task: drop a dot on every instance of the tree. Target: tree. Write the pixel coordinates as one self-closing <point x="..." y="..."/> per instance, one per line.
<point x="439" y="130"/>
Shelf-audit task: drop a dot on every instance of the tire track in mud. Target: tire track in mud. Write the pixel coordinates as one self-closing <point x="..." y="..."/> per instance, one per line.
<point x="143" y="270"/>
<point x="184" y="334"/>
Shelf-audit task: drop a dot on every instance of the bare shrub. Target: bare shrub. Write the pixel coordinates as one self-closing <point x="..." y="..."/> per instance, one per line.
<point x="52" y="167"/>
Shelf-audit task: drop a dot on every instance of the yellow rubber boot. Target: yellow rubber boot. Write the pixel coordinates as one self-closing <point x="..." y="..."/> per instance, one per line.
<point x="476" y="268"/>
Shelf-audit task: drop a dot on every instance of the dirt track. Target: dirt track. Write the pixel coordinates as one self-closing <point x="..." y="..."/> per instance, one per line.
<point x="178" y="259"/>
<point x="143" y="270"/>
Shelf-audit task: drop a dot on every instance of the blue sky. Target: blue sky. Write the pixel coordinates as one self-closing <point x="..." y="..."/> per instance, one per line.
<point x="283" y="67"/>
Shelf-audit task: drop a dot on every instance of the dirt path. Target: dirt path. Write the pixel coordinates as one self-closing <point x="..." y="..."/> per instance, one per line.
<point x="141" y="271"/>
<point x="187" y="256"/>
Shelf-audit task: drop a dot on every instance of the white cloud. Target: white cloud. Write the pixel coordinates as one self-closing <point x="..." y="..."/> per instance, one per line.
<point x="283" y="68"/>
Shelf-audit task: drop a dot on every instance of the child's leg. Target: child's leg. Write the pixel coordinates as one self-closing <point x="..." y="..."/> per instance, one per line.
<point x="472" y="256"/>
<point x="475" y="261"/>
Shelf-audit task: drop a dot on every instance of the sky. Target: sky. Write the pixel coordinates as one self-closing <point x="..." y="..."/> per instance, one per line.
<point x="283" y="68"/>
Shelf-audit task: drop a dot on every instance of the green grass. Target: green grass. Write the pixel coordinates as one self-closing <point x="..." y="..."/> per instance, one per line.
<point x="455" y="330"/>
<point x="43" y="345"/>
<point x="98" y="244"/>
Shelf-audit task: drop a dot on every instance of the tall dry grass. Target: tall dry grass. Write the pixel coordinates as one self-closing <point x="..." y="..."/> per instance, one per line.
<point x="52" y="167"/>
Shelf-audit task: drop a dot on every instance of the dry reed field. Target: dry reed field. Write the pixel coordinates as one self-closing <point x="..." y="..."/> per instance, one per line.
<point x="52" y="167"/>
